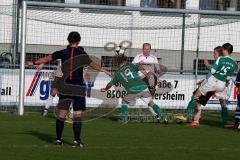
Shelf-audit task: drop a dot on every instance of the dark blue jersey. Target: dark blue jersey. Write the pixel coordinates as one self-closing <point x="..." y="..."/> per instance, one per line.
<point x="237" y="81"/>
<point x="73" y="60"/>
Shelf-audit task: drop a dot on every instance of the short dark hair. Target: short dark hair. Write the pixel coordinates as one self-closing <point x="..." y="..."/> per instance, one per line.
<point x="219" y="49"/>
<point x="74" y="37"/>
<point x="119" y="59"/>
<point x="228" y="47"/>
<point x="148" y="44"/>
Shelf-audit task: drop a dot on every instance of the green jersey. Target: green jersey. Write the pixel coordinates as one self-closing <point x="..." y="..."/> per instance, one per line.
<point x="224" y="68"/>
<point x="128" y="76"/>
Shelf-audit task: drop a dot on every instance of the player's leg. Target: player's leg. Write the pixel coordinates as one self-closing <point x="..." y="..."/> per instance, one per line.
<point x="222" y="96"/>
<point x="208" y="85"/>
<point x="158" y="113"/>
<point x="124" y="110"/>
<point x="151" y="82"/>
<point x="49" y="101"/>
<point x="201" y="101"/>
<point x="197" y="112"/>
<point x="190" y="107"/>
<point x="192" y="104"/>
<point x="153" y="107"/>
<point x="128" y="99"/>
<point x="197" y="115"/>
<point x="224" y="111"/>
<point x="60" y="125"/>
<point x="79" y="105"/>
<point x="62" y="111"/>
<point x="237" y="116"/>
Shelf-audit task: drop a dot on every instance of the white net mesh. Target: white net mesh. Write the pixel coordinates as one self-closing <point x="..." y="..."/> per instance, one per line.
<point x="48" y="28"/>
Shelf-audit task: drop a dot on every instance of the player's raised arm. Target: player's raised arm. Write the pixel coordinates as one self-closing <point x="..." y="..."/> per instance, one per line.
<point x="56" y="55"/>
<point x="142" y="70"/>
<point x="216" y="66"/>
<point x="108" y="86"/>
<point x="207" y="64"/>
<point x="99" y="68"/>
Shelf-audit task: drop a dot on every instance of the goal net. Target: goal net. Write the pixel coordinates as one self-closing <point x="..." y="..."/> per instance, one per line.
<point x="180" y="41"/>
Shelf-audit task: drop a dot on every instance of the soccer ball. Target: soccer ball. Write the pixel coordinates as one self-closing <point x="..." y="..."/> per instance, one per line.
<point x="119" y="50"/>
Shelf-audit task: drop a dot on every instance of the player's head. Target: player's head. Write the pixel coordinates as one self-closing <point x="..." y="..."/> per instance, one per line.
<point x="119" y="60"/>
<point x="227" y="49"/>
<point x="146" y="49"/>
<point x="218" y="51"/>
<point x="74" y="38"/>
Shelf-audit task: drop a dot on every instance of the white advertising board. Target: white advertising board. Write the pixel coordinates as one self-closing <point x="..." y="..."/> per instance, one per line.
<point x="174" y="91"/>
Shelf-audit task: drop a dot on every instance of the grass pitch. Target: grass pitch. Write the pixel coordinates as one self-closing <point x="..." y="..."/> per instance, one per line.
<point x="32" y="137"/>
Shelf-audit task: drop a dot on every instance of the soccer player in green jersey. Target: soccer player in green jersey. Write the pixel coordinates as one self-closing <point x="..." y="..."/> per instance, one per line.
<point x="131" y="77"/>
<point x="222" y="96"/>
<point x="221" y="72"/>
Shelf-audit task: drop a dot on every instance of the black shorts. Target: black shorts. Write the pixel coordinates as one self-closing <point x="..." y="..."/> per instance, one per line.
<point x="151" y="87"/>
<point x="204" y="99"/>
<point x="79" y="102"/>
<point x="55" y="83"/>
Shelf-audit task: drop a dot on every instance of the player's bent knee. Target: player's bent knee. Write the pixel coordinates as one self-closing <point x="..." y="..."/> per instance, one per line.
<point x="125" y="102"/>
<point x="61" y="118"/>
<point x="77" y="113"/>
<point x="77" y="117"/>
<point x="223" y="102"/>
<point x="53" y="92"/>
<point x="62" y="113"/>
<point x="151" y="103"/>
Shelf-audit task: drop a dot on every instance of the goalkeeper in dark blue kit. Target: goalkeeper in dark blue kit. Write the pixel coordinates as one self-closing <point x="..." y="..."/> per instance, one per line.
<point x="71" y="87"/>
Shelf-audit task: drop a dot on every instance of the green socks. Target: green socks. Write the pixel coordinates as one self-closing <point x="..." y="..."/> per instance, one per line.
<point x="190" y="108"/>
<point x="124" y="109"/>
<point x="157" y="110"/>
<point x="224" y="114"/>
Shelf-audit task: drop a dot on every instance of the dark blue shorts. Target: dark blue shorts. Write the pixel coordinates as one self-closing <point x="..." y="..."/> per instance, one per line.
<point x="79" y="102"/>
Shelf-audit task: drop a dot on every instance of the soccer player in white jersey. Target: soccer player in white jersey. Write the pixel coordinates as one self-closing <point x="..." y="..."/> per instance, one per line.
<point x="150" y="63"/>
<point x="221" y="72"/>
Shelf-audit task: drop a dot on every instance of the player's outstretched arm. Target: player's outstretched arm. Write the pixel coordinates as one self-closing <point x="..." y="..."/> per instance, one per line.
<point x="216" y="65"/>
<point x="44" y="60"/>
<point x="99" y="68"/>
<point x="40" y="61"/>
<point x="142" y="70"/>
<point x="207" y="64"/>
<point x="40" y="66"/>
<point x="109" y="85"/>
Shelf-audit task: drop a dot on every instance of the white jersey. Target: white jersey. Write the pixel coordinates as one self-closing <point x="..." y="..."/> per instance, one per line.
<point x="140" y="58"/>
<point x="149" y="63"/>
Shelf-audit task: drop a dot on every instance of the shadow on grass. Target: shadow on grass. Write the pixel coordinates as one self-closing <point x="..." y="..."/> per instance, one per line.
<point x="46" y="137"/>
<point x="215" y="120"/>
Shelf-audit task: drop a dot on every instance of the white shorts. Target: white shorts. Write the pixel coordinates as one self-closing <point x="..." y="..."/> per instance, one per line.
<point x="223" y="94"/>
<point x="212" y="84"/>
<point x="131" y="98"/>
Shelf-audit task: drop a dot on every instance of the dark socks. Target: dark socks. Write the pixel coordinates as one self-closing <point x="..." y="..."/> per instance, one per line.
<point x="77" y="126"/>
<point x="59" y="128"/>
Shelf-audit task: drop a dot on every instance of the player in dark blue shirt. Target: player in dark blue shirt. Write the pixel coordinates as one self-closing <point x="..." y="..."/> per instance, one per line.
<point x="237" y="111"/>
<point x="71" y="87"/>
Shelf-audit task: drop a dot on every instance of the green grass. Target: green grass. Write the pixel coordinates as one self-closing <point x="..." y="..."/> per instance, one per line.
<point x="31" y="137"/>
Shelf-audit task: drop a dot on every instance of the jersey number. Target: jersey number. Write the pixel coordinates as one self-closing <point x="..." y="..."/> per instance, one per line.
<point x="223" y="70"/>
<point x="126" y="74"/>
